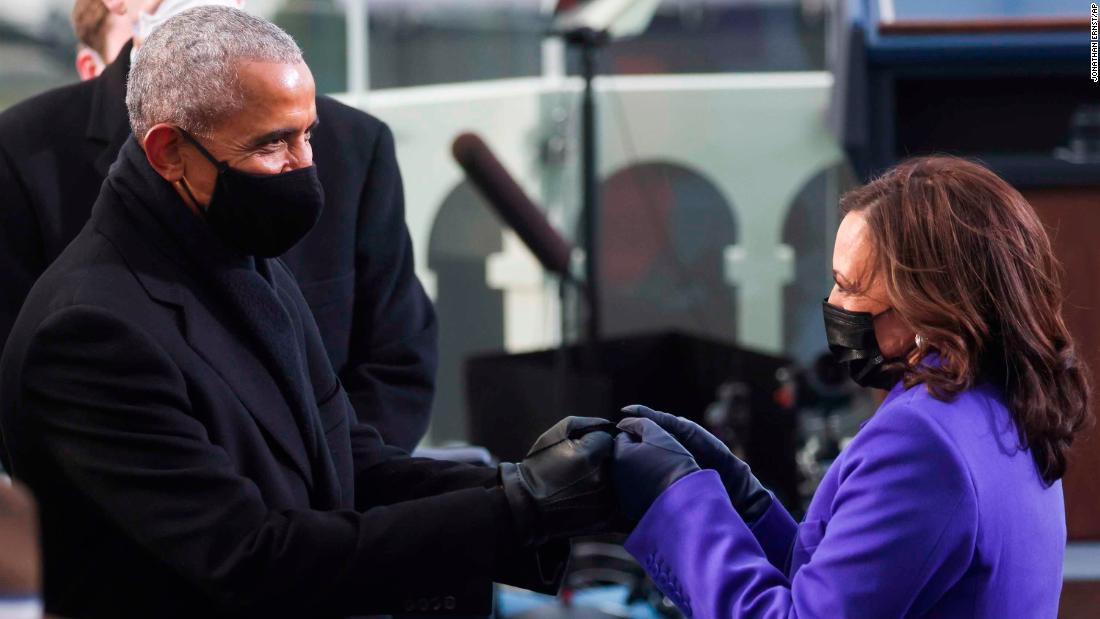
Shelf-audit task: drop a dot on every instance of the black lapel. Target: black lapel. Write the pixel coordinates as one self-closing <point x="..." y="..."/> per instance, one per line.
<point x="232" y="357"/>
<point x="108" y="120"/>
<point x="253" y="299"/>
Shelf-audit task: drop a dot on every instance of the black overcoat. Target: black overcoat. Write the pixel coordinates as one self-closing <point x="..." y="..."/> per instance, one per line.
<point x="172" y="407"/>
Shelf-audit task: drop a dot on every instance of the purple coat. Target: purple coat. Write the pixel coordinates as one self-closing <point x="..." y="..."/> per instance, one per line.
<point x="933" y="510"/>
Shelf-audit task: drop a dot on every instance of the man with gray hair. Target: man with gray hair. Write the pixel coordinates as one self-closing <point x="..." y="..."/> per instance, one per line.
<point x="166" y="395"/>
<point x="355" y="268"/>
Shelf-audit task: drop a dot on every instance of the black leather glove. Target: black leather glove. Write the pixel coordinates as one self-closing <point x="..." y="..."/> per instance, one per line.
<point x="748" y="496"/>
<point x="647" y="461"/>
<point x="562" y="487"/>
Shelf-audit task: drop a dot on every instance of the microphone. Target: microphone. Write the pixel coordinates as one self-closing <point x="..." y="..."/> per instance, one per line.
<point x="512" y="205"/>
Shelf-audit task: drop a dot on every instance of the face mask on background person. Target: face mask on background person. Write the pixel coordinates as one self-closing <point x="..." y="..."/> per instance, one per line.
<point x="261" y="215"/>
<point x="148" y="22"/>
<point x="852" y="340"/>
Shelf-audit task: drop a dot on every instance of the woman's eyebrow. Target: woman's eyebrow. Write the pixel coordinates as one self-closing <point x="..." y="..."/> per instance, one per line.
<point x="843" y="281"/>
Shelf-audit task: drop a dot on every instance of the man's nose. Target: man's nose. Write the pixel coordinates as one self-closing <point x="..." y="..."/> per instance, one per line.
<point x="833" y="296"/>
<point x="301" y="156"/>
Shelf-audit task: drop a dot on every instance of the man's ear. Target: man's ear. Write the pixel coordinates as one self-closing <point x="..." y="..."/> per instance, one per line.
<point x="162" y="148"/>
<point x="88" y="64"/>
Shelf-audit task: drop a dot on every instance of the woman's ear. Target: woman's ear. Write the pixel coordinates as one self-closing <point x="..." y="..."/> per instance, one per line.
<point x="895" y="338"/>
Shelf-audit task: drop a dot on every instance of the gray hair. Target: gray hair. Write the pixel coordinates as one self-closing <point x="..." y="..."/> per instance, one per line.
<point x="185" y="73"/>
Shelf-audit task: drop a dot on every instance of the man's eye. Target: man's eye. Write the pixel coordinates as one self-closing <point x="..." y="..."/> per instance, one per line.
<point x="272" y="146"/>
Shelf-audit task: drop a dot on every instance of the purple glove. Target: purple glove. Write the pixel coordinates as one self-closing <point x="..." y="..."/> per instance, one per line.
<point x="748" y="496"/>
<point x="647" y="461"/>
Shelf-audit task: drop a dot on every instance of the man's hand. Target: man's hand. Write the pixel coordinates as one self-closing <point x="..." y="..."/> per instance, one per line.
<point x="647" y="461"/>
<point x="562" y="487"/>
<point x="747" y="495"/>
<point x="19" y="561"/>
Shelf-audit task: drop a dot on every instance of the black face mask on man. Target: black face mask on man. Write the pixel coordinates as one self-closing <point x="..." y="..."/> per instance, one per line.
<point x="851" y="337"/>
<point x="261" y="215"/>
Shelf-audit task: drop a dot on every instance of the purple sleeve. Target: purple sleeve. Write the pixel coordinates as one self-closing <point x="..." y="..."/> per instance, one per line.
<point x="902" y="531"/>
<point x="775" y="532"/>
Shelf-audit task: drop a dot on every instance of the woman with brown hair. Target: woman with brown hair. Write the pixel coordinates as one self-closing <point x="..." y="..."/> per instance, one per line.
<point x="947" y="503"/>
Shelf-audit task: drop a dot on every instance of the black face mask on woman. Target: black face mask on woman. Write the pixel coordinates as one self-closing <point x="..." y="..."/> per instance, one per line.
<point x="852" y="341"/>
<point x="261" y="214"/>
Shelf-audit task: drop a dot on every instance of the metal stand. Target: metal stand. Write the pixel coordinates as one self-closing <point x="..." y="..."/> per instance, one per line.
<point x="589" y="42"/>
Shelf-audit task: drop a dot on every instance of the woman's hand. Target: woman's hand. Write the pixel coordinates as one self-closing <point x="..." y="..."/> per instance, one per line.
<point x="747" y="495"/>
<point x="647" y="461"/>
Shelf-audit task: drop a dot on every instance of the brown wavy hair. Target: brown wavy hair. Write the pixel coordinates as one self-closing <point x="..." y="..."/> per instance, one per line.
<point x="969" y="267"/>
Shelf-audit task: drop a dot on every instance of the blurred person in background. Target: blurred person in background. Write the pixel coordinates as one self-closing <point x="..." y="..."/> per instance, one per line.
<point x="167" y="397"/>
<point x="19" y="559"/>
<point x="948" y="501"/>
<point x="101" y="34"/>
<point x="355" y="267"/>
